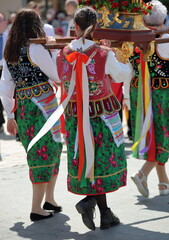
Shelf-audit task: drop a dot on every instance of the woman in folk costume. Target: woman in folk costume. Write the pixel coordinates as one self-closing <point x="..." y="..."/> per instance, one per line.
<point x="156" y="152"/>
<point x="94" y="137"/>
<point x="28" y="68"/>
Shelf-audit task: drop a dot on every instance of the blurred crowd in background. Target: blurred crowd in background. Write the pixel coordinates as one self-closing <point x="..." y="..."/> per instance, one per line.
<point x="57" y="23"/>
<point x="60" y="20"/>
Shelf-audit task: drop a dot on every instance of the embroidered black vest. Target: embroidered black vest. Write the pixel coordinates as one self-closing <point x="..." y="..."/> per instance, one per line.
<point x="25" y="73"/>
<point x="158" y="68"/>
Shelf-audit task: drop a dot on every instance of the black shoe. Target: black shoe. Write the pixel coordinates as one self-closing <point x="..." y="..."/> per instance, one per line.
<point x="49" y="206"/>
<point x="1" y="129"/>
<point x="108" y="219"/>
<point x="130" y="138"/>
<point x="86" y="208"/>
<point x="36" y="217"/>
<point x="17" y="138"/>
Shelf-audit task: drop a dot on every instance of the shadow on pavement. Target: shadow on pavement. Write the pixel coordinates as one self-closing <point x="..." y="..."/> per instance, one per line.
<point x="5" y="137"/>
<point x="157" y="203"/>
<point x="53" y="228"/>
<point x="57" y="229"/>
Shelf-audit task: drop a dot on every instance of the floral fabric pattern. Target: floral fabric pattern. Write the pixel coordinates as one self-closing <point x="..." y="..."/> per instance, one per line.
<point x="44" y="157"/>
<point x="160" y="103"/>
<point x="110" y="162"/>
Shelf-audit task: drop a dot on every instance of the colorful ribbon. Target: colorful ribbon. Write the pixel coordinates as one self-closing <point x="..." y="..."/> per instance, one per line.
<point x="85" y="135"/>
<point x="144" y="131"/>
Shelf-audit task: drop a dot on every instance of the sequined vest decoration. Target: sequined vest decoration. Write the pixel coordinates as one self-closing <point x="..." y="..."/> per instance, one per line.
<point x="25" y="73"/>
<point x="158" y="68"/>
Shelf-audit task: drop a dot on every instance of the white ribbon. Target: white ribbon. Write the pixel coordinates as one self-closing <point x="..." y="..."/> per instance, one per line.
<point x="55" y="116"/>
<point x="88" y="134"/>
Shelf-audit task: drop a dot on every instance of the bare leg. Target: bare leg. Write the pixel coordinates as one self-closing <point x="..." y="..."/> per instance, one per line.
<point x="50" y="191"/>
<point x="38" y="194"/>
<point x="140" y="178"/>
<point x="162" y="175"/>
<point x="146" y="169"/>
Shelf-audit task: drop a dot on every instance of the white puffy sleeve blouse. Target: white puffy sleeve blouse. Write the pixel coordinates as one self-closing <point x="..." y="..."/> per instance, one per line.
<point x="40" y="57"/>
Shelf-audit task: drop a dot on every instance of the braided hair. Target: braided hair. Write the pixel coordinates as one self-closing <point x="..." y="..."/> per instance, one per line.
<point x="86" y="19"/>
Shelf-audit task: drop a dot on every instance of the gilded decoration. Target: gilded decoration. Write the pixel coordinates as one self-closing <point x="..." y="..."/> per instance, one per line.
<point x="126" y="18"/>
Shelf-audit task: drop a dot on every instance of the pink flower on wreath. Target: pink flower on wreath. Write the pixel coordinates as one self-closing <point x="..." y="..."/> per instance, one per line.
<point x="125" y="3"/>
<point x="99" y="181"/>
<point x="134" y="9"/>
<point x="115" y="5"/>
<point x="149" y="7"/>
<point x="144" y="12"/>
<point x="99" y="189"/>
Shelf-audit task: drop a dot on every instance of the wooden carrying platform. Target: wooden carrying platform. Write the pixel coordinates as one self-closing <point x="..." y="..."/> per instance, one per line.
<point x="60" y="42"/>
<point x="117" y="37"/>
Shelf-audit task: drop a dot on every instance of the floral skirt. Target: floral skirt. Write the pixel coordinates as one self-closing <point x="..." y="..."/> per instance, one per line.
<point x="44" y="157"/>
<point x="160" y="104"/>
<point x="110" y="167"/>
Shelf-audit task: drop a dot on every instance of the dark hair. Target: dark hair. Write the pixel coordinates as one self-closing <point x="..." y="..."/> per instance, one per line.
<point x="86" y="19"/>
<point x="27" y="24"/>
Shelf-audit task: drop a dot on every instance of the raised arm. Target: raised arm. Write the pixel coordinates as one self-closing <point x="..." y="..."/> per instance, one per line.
<point x="118" y="71"/>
